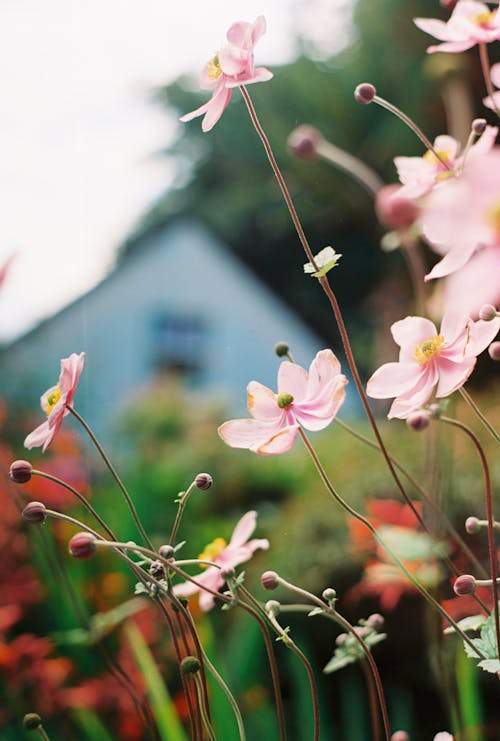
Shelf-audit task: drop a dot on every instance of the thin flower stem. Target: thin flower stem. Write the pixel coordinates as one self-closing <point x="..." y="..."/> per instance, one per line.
<point x="470" y="401"/>
<point x="372" y="699"/>
<point x="80" y="497"/>
<point x="347" y="507"/>
<point x="204" y="715"/>
<point x="350" y="164"/>
<point x="180" y="509"/>
<point x="43" y="733"/>
<point x="416" y="270"/>
<point x="289" y="643"/>
<point x="428" y="500"/>
<point x="485" y="67"/>
<point x="491" y="519"/>
<point x="114" y="474"/>
<point x="237" y="712"/>
<point x="413" y="126"/>
<point x="330" y="295"/>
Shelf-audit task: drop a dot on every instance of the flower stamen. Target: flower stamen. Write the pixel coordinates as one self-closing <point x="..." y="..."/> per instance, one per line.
<point x="428" y="349"/>
<point x="212" y="550"/>
<point x="52" y="400"/>
<point x="214" y="70"/>
<point x="284" y="400"/>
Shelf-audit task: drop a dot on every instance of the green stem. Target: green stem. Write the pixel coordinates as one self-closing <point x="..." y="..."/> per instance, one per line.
<point x="180" y="509"/>
<point x="470" y="401"/>
<point x="347" y="507"/>
<point x="204" y="716"/>
<point x="114" y="474"/>
<point x="215" y="674"/>
<point x="43" y="733"/>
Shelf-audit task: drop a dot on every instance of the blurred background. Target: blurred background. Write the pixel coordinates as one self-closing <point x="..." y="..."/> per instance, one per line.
<point x="168" y="257"/>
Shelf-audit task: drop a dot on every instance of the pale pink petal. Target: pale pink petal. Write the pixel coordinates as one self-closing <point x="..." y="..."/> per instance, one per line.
<point x="244" y="528"/>
<point x="44" y="399"/>
<point x="485" y="142"/>
<point x="410" y="332"/>
<point x="281" y="442"/>
<point x="475" y="284"/>
<point x="247" y="433"/>
<point x="454" y="327"/>
<point x="447" y="144"/>
<point x="185" y="589"/>
<point x="42" y="435"/>
<point x="316" y="416"/>
<point x="215" y="108"/>
<point x="322" y="371"/>
<point x="292" y="379"/>
<point x="417" y="396"/>
<point x="492" y="101"/>
<point x="394" y="379"/>
<point x="234" y="61"/>
<point x="239" y="34"/>
<point x="434" y="27"/>
<point x="454" y="260"/>
<point x="233" y="556"/>
<point x="260" y="74"/>
<point x="455" y="47"/>
<point x="262" y="403"/>
<point x="71" y="369"/>
<point x="481" y="334"/>
<point x="453" y="375"/>
<point x="495" y="74"/>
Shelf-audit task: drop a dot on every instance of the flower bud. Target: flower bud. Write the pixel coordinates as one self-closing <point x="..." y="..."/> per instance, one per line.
<point x="269" y="580"/>
<point x="157" y="570"/>
<point x="190" y="665"/>
<point x="203" y="481"/>
<point x="227" y="573"/>
<point x="494" y="351"/>
<point x="82" y="545"/>
<point x="375" y="621"/>
<point x="472" y="525"/>
<point x="400" y="736"/>
<point x="365" y="93"/>
<point x="32" y="721"/>
<point x="487" y="313"/>
<point x="281" y="349"/>
<point x="395" y="211"/>
<point x="303" y="142"/>
<point x="273" y="607"/>
<point x="20" y="472"/>
<point x="166" y="551"/>
<point x="34" y="513"/>
<point x="479" y="125"/>
<point x="329" y="595"/>
<point x="418" y="420"/>
<point x="464" y="584"/>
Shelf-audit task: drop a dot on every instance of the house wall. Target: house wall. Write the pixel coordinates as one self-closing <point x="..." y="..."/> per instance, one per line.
<point x="182" y="272"/>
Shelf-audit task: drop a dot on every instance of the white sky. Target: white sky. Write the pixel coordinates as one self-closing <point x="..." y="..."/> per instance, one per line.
<point x="78" y="131"/>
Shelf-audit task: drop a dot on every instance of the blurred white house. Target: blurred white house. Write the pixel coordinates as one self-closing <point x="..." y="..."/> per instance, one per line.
<point x="181" y="302"/>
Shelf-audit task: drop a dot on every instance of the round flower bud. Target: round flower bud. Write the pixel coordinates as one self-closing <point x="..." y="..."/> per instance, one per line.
<point x="20" y="472"/>
<point x="203" y="481"/>
<point x="273" y="607"/>
<point x="34" y="513"/>
<point x="394" y="211"/>
<point x="365" y="93"/>
<point x="494" y="351"/>
<point x="375" y="621"/>
<point x="166" y="551"/>
<point x="190" y="665"/>
<point x="487" y="313"/>
<point x="227" y="573"/>
<point x="303" y="142"/>
<point x="157" y="570"/>
<point x="400" y="736"/>
<point x="82" y="545"/>
<point x="269" y="580"/>
<point x="329" y="594"/>
<point x="479" y="125"/>
<point x="418" y="420"/>
<point x="32" y="721"/>
<point x="464" y="584"/>
<point x="472" y="525"/>
<point x="281" y="349"/>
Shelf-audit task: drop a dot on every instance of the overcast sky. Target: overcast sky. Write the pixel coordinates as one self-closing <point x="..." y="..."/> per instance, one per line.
<point x="79" y="132"/>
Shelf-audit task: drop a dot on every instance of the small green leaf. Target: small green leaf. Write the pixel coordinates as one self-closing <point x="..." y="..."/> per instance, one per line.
<point x="473" y="622"/>
<point x="490" y="665"/>
<point x="316" y="611"/>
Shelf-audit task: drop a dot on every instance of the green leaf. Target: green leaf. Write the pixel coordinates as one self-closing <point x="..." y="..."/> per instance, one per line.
<point x="473" y="622"/>
<point x="490" y="665"/>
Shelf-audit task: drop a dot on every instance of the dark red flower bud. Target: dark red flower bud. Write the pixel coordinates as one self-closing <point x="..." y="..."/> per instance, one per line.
<point x="269" y="580"/>
<point x="166" y="551"/>
<point x="82" y="545"/>
<point x="203" y="481"/>
<point x="20" y="471"/>
<point x="464" y="584"/>
<point x="303" y="142"/>
<point x="472" y="525"/>
<point x="34" y="513"/>
<point x="365" y="93"/>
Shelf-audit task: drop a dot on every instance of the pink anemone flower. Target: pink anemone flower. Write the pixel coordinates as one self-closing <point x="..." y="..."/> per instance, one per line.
<point x="311" y="400"/>
<point x="55" y="401"/>
<point x="428" y="358"/>
<point x="231" y="67"/>
<point x="462" y="216"/>
<point x="227" y="556"/>
<point x="470" y="23"/>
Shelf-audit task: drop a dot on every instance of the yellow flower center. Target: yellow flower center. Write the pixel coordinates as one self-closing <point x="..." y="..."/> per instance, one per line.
<point x="52" y="400"/>
<point x="284" y="400"/>
<point x="493" y="216"/>
<point x="213" y="68"/>
<point x="212" y="550"/>
<point x="446" y="159"/>
<point x="427" y="349"/>
<point x="484" y="19"/>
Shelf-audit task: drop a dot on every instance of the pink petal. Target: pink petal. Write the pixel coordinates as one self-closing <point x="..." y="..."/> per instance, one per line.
<point x="394" y="379"/>
<point x="455" y="47"/>
<point x="454" y="260"/>
<point x="481" y="334"/>
<point x="247" y="433"/>
<point x="234" y="61"/>
<point x="454" y="329"/>
<point x="260" y="74"/>
<point x="475" y="284"/>
<point x="281" y="442"/>
<point x="71" y="369"/>
<point x="244" y="528"/>
<point x="410" y="332"/>
<point x="262" y="403"/>
<point x="292" y="379"/>
<point x="453" y="375"/>
<point x="418" y="395"/>
<point x="42" y="435"/>
<point x="434" y="27"/>
<point x="495" y="74"/>
<point x="322" y="370"/>
<point x="318" y="413"/>
<point x="215" y="108"/>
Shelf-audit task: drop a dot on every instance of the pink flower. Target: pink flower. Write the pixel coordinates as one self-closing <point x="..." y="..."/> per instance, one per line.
<point x="463" y="215"/>
<point x="232" y="66"/>
<point x="427" y="359"/>
<point x="419" y="175"/>
<point x="54" y="402"/>
<point x="477" y="283"/>
<point x="311" y="400"/>
<point x="470" y="23"/>
<point x="493" y="101"/>
<point x="227" y="556"/>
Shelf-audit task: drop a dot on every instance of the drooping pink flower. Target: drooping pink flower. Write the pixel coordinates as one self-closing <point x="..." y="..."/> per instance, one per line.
<point x="470" y="23"/>
<point x="419" y="175"/>
<point x="311" y="400"/>
<point x="227" y="555"/>
<point x="463" y="215"/>
<point x="428" y="359"/>
<point x="54" y="402"/>
<point x="493" y="101"/>
<point x="232" y="66"/>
